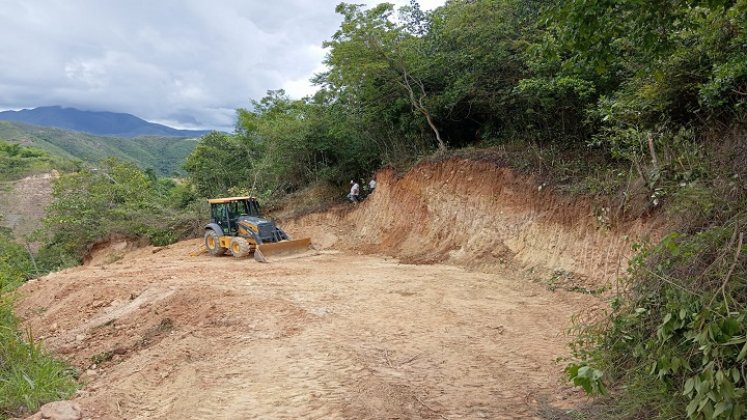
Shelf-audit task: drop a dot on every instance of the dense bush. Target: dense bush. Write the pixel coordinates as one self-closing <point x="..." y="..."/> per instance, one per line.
<point x="677" y="338"/>
<point x="116" y="198"/>
<point x="17" y="161"/>
<point x="675" y="341"/>
<point x="280" y="146"/>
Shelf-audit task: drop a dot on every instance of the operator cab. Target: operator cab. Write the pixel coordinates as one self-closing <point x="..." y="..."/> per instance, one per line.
<point x="226" y="212"/>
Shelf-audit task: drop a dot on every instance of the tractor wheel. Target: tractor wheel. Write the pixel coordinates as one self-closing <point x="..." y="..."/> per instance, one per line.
<point x="239" y="247"/>
<point x="212" y="243"/>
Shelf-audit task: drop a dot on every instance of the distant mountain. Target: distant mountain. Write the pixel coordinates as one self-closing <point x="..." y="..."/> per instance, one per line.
<point x="97" y="123"/>
<point x="164" y="154"/>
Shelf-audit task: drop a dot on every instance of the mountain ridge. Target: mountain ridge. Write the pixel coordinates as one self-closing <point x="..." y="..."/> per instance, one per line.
<point x="164" y="154"/>
<point x="98" y="123"/>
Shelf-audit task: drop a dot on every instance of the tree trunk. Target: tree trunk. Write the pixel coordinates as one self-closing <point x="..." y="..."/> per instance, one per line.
<point x="417" y="103"/>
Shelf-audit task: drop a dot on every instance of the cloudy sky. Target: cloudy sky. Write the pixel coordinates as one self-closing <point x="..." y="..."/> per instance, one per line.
<point x="184" y="63"/>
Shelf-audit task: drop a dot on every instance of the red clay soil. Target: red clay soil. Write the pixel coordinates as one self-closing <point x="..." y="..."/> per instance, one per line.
<point x="482" y="217"/>
<point x="463" y="323"/>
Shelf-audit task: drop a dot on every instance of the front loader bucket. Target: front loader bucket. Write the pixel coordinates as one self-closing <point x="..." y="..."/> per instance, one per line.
<point x="281" y="248"/>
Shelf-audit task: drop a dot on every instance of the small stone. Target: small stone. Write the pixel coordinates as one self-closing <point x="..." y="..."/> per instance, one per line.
<point x="80" y="337"/>
<point x="61" y="410"/>
<point x="88" y="376"/>
<point x="54" y="327"/>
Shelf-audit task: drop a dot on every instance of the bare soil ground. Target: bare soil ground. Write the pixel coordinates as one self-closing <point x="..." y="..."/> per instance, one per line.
<point x="328" y="334"/>
<point x="22" y="203"/>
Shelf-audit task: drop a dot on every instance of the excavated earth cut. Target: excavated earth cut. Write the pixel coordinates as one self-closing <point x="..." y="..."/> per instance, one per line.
<point x="437" y="297"/>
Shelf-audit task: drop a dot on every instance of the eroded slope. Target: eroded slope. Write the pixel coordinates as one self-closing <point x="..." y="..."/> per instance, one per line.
<point x="481" y="216"/>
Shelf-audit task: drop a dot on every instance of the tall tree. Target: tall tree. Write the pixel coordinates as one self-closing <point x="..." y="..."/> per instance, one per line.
<point x="376" y="58"/>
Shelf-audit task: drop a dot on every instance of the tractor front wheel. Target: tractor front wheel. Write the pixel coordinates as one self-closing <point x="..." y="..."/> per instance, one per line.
<point x="212" y="243"/>
<point x="239" y="247"/>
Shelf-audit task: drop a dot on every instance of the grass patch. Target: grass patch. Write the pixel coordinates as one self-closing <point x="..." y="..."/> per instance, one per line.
<point x="28" y="376"/>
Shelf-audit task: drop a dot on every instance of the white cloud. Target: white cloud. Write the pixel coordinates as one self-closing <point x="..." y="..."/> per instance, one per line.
<point x="190" y="62"/>
<point x="86" y="72"/>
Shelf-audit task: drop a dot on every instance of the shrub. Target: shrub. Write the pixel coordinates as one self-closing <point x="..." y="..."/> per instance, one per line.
<point x="681" y="327"/>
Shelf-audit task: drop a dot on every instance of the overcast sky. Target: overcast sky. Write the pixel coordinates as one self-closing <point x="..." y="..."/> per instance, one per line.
<point x="184" y="63"/>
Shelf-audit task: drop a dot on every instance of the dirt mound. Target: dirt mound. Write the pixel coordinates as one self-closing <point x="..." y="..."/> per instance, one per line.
<point x="111" y="249"/>
<point x="480" y="216"/>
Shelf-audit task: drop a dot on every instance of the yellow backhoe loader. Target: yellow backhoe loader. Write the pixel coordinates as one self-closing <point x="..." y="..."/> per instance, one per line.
<point x="236" y="226"/>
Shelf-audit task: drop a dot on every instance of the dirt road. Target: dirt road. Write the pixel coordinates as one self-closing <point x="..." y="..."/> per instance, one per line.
<point x="161" y="335"/>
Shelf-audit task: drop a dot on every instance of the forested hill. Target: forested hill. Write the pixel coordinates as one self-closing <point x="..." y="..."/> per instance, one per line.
<point x="96" y="123"/>
<point x="165" y="155"/>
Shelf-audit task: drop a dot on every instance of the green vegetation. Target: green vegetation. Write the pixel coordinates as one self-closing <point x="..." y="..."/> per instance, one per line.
<point x="676" y="336"/>
<point x="164" y="155"/>
<point x="17" y="161"/>
<point x="28" y="377"/>
<point x="117" y="198"/>
<point x="89" y="205"/>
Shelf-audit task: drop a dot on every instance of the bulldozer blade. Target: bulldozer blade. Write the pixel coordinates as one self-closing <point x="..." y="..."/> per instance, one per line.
<point x="281" y="248"/>
<point x="198" y="251"/>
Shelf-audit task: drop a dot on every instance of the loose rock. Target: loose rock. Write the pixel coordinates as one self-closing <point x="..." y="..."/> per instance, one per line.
<point x="61" y="410"/>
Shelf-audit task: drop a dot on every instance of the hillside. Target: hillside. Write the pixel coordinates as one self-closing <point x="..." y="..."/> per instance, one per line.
<point x="472" y="329"/>
<point x="97" y="123"/>
<point x="23" y="202"/>
<point x="163" y="154"/>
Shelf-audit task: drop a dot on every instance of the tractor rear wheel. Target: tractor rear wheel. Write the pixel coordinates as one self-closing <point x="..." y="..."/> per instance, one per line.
<point x="212" y="243"/>
<point x="239" y="247"/>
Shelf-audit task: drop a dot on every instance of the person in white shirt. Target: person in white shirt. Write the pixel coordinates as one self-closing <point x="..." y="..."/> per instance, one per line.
<point x="371" y="185"/>
<point x="355" y="191"/>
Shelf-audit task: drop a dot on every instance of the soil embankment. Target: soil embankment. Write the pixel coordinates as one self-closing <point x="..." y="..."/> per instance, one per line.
<point x="480" y="216"/>
<point x="345" y="331"/>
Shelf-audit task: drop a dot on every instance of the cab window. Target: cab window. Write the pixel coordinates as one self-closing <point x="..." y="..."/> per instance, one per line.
<point x="237" y="208"/>
<point x="253" y="208"/>
<point x="218" y="212"/>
